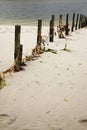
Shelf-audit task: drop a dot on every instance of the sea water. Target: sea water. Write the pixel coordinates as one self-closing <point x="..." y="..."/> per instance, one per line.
<point x="27" y="12"/>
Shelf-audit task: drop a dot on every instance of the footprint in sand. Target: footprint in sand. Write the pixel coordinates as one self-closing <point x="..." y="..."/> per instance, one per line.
<point x="60" y="83"/>
<point x="11" y="120"/>
<point x="25" y="129"/>
<point x="55" y="128"/>
<point x="3" y="117"/>
<point x="6" y="119"/>
<point x="79" y="64"/>
<point x="83" y="121"/>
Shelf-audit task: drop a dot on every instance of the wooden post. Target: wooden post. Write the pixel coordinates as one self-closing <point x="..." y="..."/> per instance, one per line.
<point x="39" y="37"/>
<point x="20" y="50"/>
<point x="84" y="21"/>
<point x="17" y="40"/>
<point x="79" y="26"/>
<point x="81" y="21"/>
<point x="67" y="25"/>
<point x="60" y="19"/>
<point x="53" y="18"/>
<point x="18" y="60"/>
<point x="51" y="38"/>
<point x="51" y="32"/>
<point x="73" y="23"/>
<point x="77" y="21"/>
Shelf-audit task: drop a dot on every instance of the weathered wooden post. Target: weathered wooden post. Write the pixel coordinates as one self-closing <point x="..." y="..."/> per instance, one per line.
<point x="82" y="21"/>
<point x="86" y="21"/>
<point x="73" y="22"/>
<point x="53" y="19"/>
<point x="77" y="21"/>
<point x="60" y="19"/>
<point x="51" y="33"/>
<point x="67" y="25"/>
<point x="20" y="50"/>
<point x="17" y="45"/>
<point x="39" y="37"/>
<point x="17" y="40"/>
<point x="79" y="26"/>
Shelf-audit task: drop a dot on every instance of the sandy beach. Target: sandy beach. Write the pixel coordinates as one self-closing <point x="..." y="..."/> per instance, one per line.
<point x="51" y="93"/>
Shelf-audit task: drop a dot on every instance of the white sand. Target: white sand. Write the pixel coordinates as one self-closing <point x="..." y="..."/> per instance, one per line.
<point x="51" y="94"/>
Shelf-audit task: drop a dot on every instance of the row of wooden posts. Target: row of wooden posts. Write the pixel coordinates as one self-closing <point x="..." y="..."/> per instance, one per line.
<point x="79" y="22"/>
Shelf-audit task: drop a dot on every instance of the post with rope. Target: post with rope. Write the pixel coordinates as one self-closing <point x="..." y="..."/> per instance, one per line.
<point x="18" y="49"/>
<point x="17" y="40"/>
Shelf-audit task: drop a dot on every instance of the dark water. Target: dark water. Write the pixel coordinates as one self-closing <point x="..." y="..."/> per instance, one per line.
<point x="29" y="11"/>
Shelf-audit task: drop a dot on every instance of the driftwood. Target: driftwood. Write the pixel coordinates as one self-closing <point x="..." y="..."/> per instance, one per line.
<point x="37" y="50"/>
<point x="2" y="80"/>
<point x="14" y="68"/>
<point x="62" y="26"/>
<point x="60" y="32"/>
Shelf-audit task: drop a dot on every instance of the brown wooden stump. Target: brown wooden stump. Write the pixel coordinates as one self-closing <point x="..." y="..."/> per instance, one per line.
<point x="79" y="26"/>
<point x="39" y="37"/>
<point x="85" y="21"/>
<point x="77" y="21"/>
<point x="67" y="25"/>
<point x="53" y="19"/>
<point x="73" y="22"/>
<point x="20" y="50"/>
<point x="60" y="19"/>
<point x="82" y="21"/>
<point x="51" y="33"/>
<point x="18" y="61"/>
<point x="17" y="40"/>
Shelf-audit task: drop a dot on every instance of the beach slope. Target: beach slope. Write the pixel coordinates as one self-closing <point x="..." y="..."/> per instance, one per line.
<point x="51" y="93"/>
